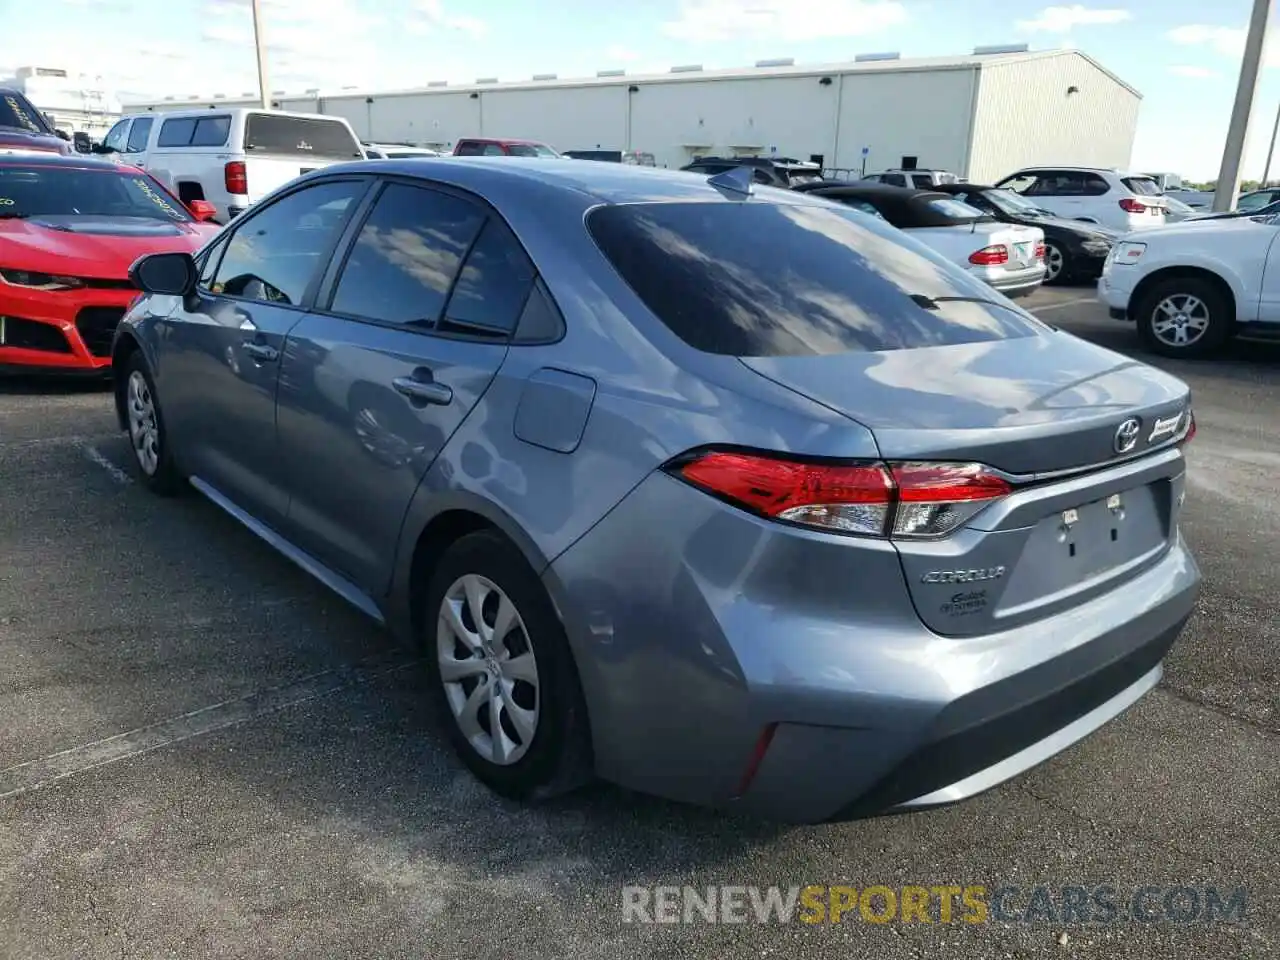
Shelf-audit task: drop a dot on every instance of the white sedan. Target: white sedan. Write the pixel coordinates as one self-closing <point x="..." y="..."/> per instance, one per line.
<point x="1192" y="286"/>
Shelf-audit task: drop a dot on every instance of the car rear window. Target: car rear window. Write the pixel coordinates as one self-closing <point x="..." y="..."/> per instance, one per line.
<point x="1142" y="186"/>
<point x="826" y="281"/>
<point x="17" y="111"/>
<point x="956" y="209"/>
<point x="299" y="136"/>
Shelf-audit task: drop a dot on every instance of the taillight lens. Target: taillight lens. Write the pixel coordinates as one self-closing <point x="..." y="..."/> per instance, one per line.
<point x="899" y="500"/>
<point x="990" y="256"/>
<point x="237" y="180"/>
<point x="1129" y="205"/>
<point x="1188" y="431"/>
<point x="1039" y="251"/>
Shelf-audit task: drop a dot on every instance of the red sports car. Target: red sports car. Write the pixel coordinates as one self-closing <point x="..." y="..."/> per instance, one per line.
<point x="70" y="228"/>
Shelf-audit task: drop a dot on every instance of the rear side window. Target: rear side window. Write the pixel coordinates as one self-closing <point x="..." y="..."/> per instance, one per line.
<point x="468" y="148"/>
<point x="893" y="179"/>
<point x="176" y="132"/>
<point x="826" y="282"/>
<point x="299" y="137"/>
<point x="1142" y="186"/>
<point x="194" y="132"/>
<point x="493" y="286"/>
<point x="405" y="259"/>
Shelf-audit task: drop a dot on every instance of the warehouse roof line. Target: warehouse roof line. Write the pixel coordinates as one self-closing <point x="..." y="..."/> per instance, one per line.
<point x="613" y="79"/>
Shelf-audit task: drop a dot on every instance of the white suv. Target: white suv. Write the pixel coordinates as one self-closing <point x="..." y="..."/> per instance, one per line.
<point x="1112" y="198"/>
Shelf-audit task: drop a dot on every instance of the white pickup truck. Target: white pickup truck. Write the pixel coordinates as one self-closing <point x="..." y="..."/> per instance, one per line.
<point x="231" y="158"/>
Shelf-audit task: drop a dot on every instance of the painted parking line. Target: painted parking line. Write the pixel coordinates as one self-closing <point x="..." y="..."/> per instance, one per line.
<point x="1065" y="303"/>
<point x="34" y="774"/>
<point x="113" y="471"/>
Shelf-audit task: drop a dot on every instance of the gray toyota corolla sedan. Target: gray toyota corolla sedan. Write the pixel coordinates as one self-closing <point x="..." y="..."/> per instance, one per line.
<point x="730" y="495"/>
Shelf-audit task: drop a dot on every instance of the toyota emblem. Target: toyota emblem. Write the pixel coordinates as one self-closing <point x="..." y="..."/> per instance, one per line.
<point x="1126" y="437"/>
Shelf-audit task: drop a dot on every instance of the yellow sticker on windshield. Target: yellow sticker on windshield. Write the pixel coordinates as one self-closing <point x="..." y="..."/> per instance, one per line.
<point x="5" y="202"/>
<point x="154" y="195"/>
<point x="22" y="116"/>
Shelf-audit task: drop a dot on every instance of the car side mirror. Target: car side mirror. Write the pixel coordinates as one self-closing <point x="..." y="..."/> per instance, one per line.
<point x="101" y="148"/>
<point x="202" y="210"/>
<point x="62" y="134"/>
<point x="169" y="274"/>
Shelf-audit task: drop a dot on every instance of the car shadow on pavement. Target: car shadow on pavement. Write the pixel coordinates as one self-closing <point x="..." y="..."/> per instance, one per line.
<point x="26" y="384"/>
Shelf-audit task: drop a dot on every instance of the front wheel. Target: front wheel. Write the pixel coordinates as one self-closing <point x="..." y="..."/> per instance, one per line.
<point x="145" y="424"/>
<point x="1184" y="317"/>
<point x="1055" y="264"/>
<point x="502" y="672"/>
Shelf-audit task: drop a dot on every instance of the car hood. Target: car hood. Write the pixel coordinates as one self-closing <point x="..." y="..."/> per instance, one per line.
<point x="14" y="140"/>
<point x="1030" y="404"/>
<point x="1196" y="226"/>
<point x="93" y="246"/>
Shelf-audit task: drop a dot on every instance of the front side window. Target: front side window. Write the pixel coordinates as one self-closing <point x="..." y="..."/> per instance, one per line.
<point x="138" y="135"/>
<point x="827" y="281"/>
<point x="407" y="254"/>
<point x="68" y="191"/>
<point x="893" y="179"/>
<point x="468" y="148"/>
<point x="276" y="252"/>
<point x="115" y="138"/>
<point x="493" y="150"/>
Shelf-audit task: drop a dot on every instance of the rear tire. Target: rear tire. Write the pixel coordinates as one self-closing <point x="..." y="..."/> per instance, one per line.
<point x="1057" y="264"/>
<point x="1184" y="317"/>
<point x="144" y="423"/>
<point x="515" y="677"/>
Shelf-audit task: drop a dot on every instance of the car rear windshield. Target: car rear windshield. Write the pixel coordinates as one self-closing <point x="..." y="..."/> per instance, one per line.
<point x="753" y="279"/>
<point x="48" y="191"/>
<point x="1142" y="186"/>
<point x="17" y="111"/>
<point x="956" y="209"/>
<point x="299" y="136"/>
<point x="531" y="150"/>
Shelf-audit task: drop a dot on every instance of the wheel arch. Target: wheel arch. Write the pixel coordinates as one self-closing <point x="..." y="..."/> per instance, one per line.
<point x="125" y="346"/>
<point x="1151" y="280"/>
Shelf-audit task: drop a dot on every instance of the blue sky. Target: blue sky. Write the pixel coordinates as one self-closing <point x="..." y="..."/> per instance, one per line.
<point x="1182" y="54"/>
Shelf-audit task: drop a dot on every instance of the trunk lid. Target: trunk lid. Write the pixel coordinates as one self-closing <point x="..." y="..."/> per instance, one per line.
<point x="1088" y="512"/>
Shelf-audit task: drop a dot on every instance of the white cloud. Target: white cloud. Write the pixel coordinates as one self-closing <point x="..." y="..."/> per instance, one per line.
<point x="1225" y="41"/>
<point x="431" y="17"/>
<point x="1064" y="19"/>
<point x="782" y="20"/>
<point x="1195" y="73"/>
<point x="620" y="54"/>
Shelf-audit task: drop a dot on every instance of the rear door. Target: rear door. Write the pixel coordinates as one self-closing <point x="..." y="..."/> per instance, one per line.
<point x="279" y="147"/>
<point x="376" y="380"/>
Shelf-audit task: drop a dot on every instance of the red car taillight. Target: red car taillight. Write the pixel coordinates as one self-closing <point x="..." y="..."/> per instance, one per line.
<point x="1133" y="206"/>
<point x="906" y="500"/>
<point x="990" y="256"/>
<point x="1039" y="251"/>
<point x="237" y="180"/>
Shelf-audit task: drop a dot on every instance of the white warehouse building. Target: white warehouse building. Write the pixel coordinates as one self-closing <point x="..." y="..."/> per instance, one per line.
<point x="981" y="116"/>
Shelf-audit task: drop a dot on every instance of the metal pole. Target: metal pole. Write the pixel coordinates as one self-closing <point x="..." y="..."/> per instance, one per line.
<point x="1266" y="171"/>
<point x="261" y="49"/>
<point x="1224" y="197"/>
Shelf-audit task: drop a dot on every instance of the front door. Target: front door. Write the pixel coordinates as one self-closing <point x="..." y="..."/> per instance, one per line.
<point x="222" y="360"/>
<point x="376" y="381"/>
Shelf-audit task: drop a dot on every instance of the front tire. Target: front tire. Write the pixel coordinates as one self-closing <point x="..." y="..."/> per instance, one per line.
<point x="145" y="424"/>
<point x="1184" y="317"/>
<point x="502" y="673"/>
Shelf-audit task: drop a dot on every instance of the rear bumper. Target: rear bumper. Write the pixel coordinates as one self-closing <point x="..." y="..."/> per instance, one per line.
<point x="1013" y="283"/>
<point x="696" y="637"/>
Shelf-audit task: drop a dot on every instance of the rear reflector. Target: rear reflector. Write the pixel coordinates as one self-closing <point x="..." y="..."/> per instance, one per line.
<point x="990" y="256"/>
<point x="904" y="500"/>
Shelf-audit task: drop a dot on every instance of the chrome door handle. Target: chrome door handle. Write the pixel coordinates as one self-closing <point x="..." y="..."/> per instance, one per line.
<point x="260" y="351"/>
<point x="427" y="391"/>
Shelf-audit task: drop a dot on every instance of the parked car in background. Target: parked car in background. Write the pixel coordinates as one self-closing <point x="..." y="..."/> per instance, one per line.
<point x="1008" y="256"/>
<point x="736" y="497"/>
<point x="1121" y="201"/>
<point x="485" y="147"/>
<point x="1175" y="211"/>
<point x="70" y="228"/>
<point x="231" y="158"/>
<point x="1269" y="210"/>
<point x="634" y="158"/>
<point x="765" y="170"/>
<point x="1197" y="200"/>
<point x="1255" y="200"/>
<point x="921" y="179"/>
<point x="1073" y="250"/>
<point x="1193" y="286"/>
<point x="396" y="151"/>
<point x="24" y="129"/>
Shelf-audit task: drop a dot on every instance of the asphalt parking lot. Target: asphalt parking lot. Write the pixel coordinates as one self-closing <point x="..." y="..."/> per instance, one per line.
<point x="205" y="754"/>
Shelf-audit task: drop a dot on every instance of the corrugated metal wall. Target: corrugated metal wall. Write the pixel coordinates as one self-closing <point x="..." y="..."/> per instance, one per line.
<point x="1025" y="117"/>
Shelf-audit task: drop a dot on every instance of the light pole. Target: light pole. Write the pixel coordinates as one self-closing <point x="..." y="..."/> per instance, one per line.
<point x="260" y="49"/>
<point x="1224" y="198"/>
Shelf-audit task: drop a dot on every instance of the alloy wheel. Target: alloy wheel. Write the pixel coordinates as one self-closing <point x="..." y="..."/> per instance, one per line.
<point x="1180" y="320"/>
<point x="144" y="429"/>
<point x="1053" y="261"/>
<point x="488" y="669"/>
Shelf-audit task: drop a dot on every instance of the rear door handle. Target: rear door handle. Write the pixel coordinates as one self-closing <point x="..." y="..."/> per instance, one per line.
<point x="260" y="351"/>
<point x="428" y="391"/>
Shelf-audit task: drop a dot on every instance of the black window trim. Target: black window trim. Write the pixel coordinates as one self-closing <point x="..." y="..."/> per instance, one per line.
<point x="328" y="287"/>
<point x="310" y="296"/>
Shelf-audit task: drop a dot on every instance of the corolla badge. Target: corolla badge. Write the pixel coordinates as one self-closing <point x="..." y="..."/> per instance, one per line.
<point x="963" y="576"/>
<point x="1126" y="437"/>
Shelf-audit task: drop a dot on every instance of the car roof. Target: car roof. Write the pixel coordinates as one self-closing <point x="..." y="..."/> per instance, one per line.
<point x="500" y="140"/>
<point x="527" y="181"/>
<point x="61" y="160"/>
<point x="1066" y="166"/>
<point x="901" y="206"/>
<point x="965" y="187"/>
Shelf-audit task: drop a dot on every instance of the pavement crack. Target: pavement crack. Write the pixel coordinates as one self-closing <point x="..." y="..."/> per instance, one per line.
<point x="1188" y="696"/>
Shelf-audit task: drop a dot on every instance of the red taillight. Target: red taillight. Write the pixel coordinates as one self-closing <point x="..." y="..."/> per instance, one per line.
<point x="990" y="256"/>
<point x="1132" y="206"/>
<point x="1190" y="431"/>
<point x="1039" y="251"/>
<point x="912" y="500"/>
<point x="237" y="180"/>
